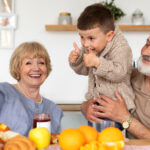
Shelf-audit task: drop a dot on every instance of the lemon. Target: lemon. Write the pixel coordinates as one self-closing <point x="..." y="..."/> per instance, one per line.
<point x="40" y="136"/>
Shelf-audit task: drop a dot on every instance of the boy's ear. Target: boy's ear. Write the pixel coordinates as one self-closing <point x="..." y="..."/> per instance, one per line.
<point x="110" y="35"/>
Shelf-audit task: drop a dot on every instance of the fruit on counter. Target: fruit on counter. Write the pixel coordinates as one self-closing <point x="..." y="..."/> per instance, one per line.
<point x="87" y="138"/>
<point x="112" y="138"/>
<point x="54" y="138"/>
<point x="110" y="134"/>
<point x="90" y="133"/>
<point x="71" y="139"/>
<point x="114" y="145"/>
<point x="19" y="143"/>
<point x="4" y="127"/>
<point x="40" y="136"/>
<point x="1" y="144"/>
<point x="94" y="145"/>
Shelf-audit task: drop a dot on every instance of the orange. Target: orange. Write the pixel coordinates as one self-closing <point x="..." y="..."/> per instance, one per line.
<point x="94" y="145"/>
<point x="4" y="127"/>
<point x="71" y="139"/>
<point x="112" y="138"/>
<point x="115" y="145"/>
<point x="90" y="133"/>
<point x="110" y="134"/>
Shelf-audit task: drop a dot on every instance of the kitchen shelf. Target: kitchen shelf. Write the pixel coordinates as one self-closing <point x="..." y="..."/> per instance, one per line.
<point x="70" y="107"/>
<point x="74" y="27"/>
<point x="60" y="27"/>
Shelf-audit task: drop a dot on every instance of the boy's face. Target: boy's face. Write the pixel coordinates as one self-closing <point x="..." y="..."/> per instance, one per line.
<point x="95" y="39"/>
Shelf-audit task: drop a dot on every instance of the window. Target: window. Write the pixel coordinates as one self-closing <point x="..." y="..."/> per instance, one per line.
<point x="7" y="24"/>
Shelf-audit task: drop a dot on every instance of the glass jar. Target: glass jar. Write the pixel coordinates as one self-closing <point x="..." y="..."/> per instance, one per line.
<point x="137" y="17"/>
<point x="42" y="120"/>
<point x="64" y="18"/>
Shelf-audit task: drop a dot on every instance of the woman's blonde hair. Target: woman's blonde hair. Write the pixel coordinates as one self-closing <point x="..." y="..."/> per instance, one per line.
<point x="24" y="50"/>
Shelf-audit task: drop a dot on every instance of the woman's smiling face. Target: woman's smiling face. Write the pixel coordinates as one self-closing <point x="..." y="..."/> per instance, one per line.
<point x="33" y="71"/>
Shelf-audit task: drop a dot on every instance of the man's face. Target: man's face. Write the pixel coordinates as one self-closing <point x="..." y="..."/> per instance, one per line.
<point x="144" y="61"/>
<point x="145" y="52"/>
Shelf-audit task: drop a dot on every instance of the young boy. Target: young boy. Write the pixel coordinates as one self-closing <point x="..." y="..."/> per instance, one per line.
<point x="105" y="55"/>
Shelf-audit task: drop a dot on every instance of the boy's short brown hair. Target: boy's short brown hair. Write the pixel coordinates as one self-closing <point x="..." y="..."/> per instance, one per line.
<point x="96" y="15"/>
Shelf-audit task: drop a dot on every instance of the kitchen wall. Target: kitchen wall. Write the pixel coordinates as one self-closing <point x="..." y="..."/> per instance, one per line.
<point x="63" y="85"/>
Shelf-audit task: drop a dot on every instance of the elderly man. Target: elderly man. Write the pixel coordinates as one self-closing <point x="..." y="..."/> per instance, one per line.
<point x="138" y="123"/>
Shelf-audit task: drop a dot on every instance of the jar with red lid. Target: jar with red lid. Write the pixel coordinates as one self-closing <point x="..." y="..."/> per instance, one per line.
<point x="42" y="120"/>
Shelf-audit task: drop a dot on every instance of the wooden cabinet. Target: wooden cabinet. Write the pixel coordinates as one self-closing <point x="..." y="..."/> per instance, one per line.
<point x="73" y="27"/>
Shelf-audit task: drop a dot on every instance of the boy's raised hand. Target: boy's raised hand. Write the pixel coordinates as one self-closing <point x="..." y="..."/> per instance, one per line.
<point x="74" y="55"/>
<point x="90" y="59"/>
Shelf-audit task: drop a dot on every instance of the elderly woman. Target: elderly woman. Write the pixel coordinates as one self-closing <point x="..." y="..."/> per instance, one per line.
<point x="30" y="66"/>
<point x="138" y="123"/>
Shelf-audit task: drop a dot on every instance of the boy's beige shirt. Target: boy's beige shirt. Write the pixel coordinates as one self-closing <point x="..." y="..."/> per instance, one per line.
<point x="113" y="73"/>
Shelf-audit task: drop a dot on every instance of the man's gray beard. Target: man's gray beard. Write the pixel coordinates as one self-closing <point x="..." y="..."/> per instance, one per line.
<point x="144" y="69"/>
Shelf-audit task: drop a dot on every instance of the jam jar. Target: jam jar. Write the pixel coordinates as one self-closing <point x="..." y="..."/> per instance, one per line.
<point x="42" y="120"/>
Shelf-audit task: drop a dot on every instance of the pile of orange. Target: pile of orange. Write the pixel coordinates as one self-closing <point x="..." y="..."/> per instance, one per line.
<point x="88" y="138"/>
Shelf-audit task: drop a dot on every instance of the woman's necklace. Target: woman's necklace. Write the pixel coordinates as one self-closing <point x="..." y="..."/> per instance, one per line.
<point x="26" y="95"/>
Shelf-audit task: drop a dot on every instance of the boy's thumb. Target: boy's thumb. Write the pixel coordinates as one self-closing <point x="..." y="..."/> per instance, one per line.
<point x="76" y="47"/>
<point x="90" y="50"/>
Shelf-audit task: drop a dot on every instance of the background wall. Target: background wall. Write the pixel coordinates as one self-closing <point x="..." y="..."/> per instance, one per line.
<point x="63" y="85"/>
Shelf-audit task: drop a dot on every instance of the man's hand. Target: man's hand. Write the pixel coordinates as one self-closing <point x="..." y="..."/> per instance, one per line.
<point x="113" y="109"/>
<point x="89" y="111"/>
<point x="74" y="55"/>
<point x="108" y="108"/>
<point x="90" y="59"/>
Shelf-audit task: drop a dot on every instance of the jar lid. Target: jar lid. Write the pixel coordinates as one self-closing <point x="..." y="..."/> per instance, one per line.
<point x="64" y="14"/>
<point x="42" y="116"/>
